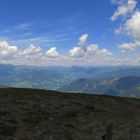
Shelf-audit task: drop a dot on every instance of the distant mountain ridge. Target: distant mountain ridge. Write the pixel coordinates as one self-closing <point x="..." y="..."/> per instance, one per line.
<point x="110" y="80"/>
<point x="125" y="86"/>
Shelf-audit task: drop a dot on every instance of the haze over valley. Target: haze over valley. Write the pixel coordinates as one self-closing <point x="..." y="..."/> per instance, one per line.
<point x="109" y="80"/>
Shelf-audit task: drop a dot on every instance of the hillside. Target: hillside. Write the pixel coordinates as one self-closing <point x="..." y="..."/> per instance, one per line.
<point x="125" y="86"/>
<point x="82" y="85"/>
<point x="30" y="114"/>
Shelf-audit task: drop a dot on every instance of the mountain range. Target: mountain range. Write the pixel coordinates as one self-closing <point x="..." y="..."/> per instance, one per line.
<point x="124" y="86"/>
<point x="109" y="80"/>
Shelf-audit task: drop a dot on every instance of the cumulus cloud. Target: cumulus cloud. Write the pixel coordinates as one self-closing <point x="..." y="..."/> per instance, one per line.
<point x="76" y="52"/>
<point x="32" y="51"/>
<point x="123" y="8"/>
<point x="104" y="52"/>
<point x="83" y="39"/>
<point x="34" y="55"/>
<point x="85" y="50"/>
<point x="7" y="50"/>
<point x="132" y="25"/>
<point x="52" y="52"/>
<point x="127" y="47"/>
<point x="131" y="28"/>
<point x="79" y="51"/>
<point x="94" y="49"/>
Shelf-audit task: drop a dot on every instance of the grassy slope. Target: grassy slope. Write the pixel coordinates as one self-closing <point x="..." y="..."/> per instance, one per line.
<point x="29" y="114"/>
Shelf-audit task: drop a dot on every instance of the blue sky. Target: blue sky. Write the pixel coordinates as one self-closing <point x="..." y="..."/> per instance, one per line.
<point x="70" y="32"/>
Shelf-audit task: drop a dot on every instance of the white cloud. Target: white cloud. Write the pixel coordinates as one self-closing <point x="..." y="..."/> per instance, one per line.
<point x="84" y="50"/>
<point x="127" y="47"/>
<point x="137" y="43"/>
<point x="76" y="52"/>
<point x="7" y="50"/>
<point x="52" y="52"/>
<point x="131" y="28"/>
<point x="123" y="8"/>
<point x="132" y="25"/>
<point x="32" y="51"/>
<point x="35" y="56"/>
<point x="80" y="50"/>
<point x="83" y="39"/>
<point x="94" y="49"/>
<point x="104" y="52"/>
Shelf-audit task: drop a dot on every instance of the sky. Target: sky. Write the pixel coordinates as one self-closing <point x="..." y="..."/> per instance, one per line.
<point x="70" y="32"/>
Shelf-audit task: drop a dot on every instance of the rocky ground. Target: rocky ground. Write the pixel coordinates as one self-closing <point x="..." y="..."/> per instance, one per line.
<point x="30" y="114"/>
